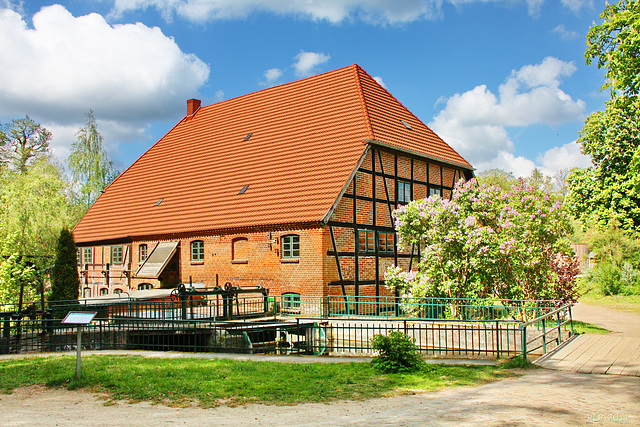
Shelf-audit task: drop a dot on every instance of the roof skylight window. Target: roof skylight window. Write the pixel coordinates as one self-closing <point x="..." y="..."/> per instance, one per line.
<point x="244" y="188"/>
<point x="158" y="202"/>
<point x="407" y="125"/>
<point x="246" y="138"/>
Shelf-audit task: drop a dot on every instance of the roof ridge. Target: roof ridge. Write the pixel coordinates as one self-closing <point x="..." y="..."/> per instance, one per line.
<point x="271" y="88"/>
<point x="363" y="103"/>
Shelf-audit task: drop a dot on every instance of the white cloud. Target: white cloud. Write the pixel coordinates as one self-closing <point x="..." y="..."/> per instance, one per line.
<point x="64" y="65"/>
<point x="219" y="96"/>
<point x="272" y="75"/>
<point x="475" y="122"/>
<point x="372" y="11"/>
<point x="567" y="156"/>
<point x="380" y="81"/>
<point x="565" y="34"/>
<point x="307" y="62"/>
<point x="577" y="5"/>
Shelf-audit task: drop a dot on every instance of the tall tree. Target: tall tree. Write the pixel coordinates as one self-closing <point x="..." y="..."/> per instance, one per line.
<point x="22" y="142"/>
<point x="499" y="177"/>
<point x="608" y="191"/>
<point x="34" y="206"/>
<point x="64" y="277"/>
<point x="89" y="163"/>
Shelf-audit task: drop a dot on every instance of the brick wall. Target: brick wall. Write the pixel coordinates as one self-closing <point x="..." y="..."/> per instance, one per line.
<point x="254" y="257"/>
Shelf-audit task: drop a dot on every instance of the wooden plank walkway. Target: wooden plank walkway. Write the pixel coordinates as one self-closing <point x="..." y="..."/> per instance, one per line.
<point x="617" y="353"/>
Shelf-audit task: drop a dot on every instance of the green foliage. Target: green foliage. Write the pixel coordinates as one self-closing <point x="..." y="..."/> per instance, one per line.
<point x="496" y="177"/>
<point x="64" y="276"/>
<point x="14" y="272"/>
<point x="23" y="142"/>
<point x="397" y="353"/>
<point x="517" y="363"/>
<point x="208" y="383"/>
<point x="606" y="192"/>
<point x="609" y="190"/>
<point x="34" y="207"/>
<point x="615" y="46"/>
<point x="580" y="328"/>
<point x="617" y="256"/>
<point x="485" y="243"/>
<point x="89" y="163"/>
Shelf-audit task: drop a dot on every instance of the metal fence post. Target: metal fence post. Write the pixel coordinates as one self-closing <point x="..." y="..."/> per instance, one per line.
<point x="497" y="339"/>
<point x="524" y="342"/>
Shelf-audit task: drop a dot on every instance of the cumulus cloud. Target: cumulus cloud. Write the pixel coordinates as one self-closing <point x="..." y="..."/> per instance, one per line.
<point x="307" y="62"/>
<point x="272" y="75"/>
<point x="371" y="11"/>
<point x="475" y="122"/>
<point x="565" y="157"/>
<point x="64" y="65"/>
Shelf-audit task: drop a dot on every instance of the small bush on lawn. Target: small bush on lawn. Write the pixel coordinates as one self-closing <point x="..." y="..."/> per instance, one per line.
<point x="397" y="353"/>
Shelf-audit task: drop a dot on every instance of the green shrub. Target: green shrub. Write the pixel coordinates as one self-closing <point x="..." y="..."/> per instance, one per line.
<point x="397" y="353"/>
<point x="608" y="276"/>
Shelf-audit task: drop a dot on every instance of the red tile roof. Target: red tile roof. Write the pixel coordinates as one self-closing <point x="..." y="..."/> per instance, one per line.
<point x="306" y="139"/>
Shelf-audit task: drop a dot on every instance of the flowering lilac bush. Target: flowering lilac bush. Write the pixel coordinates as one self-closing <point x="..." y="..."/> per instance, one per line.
<point x="483" y="243"/>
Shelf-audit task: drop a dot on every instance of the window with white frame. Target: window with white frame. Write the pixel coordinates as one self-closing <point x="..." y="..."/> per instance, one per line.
<point x="291" y="246"/>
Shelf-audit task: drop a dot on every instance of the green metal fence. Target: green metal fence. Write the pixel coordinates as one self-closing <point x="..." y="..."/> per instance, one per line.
<point x="330" y="325"/>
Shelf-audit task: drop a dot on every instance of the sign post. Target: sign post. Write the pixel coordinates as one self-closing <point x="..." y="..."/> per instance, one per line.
<point x="79" y="318"/>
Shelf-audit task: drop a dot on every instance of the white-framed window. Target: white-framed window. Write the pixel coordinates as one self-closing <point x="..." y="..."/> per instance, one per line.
<point x="197" y="251"/>
<point x="404" y="192"/>
<point x="291" y="246"/>
<point x="104" y="291"/>
<point x="116" y="254"/>
<point x="79" y="256"/>
<point x="117" y="291"/>
<point x="142" y="250"/>
<point x="145" y="286"/>
<point x="86" y="293"/>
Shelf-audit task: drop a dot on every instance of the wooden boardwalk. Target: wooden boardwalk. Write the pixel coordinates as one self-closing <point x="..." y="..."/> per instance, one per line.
<point x="596" y="354"/>
<point x="617" y="353"/>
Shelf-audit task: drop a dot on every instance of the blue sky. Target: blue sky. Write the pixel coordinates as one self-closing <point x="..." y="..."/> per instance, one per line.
<point x="503" y="82"/>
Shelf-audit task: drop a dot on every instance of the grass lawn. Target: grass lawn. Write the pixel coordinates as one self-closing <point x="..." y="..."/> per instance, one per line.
<point x="214" y="382"/>
<point x="587" y="328"/>
<point x="629" y="303"/>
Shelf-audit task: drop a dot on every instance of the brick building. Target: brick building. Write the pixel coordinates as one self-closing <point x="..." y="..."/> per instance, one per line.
<point x="291" y="187"/>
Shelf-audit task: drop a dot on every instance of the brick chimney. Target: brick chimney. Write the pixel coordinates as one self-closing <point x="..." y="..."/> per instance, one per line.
<point x="192" y="106"/>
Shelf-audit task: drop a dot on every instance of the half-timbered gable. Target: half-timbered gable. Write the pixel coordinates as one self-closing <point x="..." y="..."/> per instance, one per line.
<point x="291" y="187"/>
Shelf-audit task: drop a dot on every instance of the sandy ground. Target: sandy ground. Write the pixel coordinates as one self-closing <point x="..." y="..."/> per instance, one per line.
<point x="538" y="397"/>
